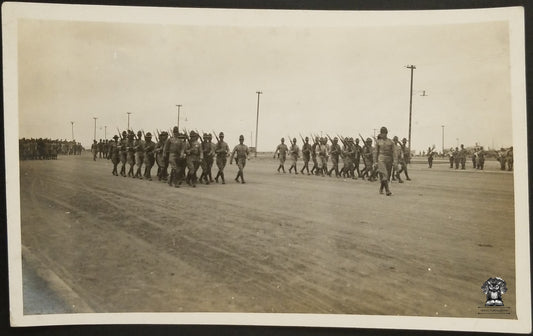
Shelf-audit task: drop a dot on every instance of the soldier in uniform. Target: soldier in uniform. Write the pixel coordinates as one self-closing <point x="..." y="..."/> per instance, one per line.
<point x="335" y="152"/>
<point x="100" y="148"/>
<point x="510" y="159"/>
<point x="138" y="146"/>
<point x="456" y="157"/>
<point x="295" y="154"/>
<point x="480" y="158"/>
<point x="174" y="150"/>
<point x="194" y="153"/>
<point x="430" y="155"/>
<point x="322" y="153"/>
<point x="242" y="152"/>
<point x="462" y="156"/>
<point x="314" y="151"/>
<point x="282" y="149"/>
<point x="404" y="158"/>
<point x="384" y="158"/>
<point x="162" y="162"/>
<point x="207" y="161"/>
<point x="358" y="150"/>
<point x="398" y="152"/>
<point x="368" y="160"/>
<point x="349" y="158"/>
<point x="113" y="154"/>
<point x="149" y="156"/>
<point x="501" y="156"/>
<point x="94" y="149"/>
<point x="222" y="153"/>
<point x="123" y="152"/>
<point x="306" y="154"/>
<point x="451" y="154"/>
<point x="130" y="153"/>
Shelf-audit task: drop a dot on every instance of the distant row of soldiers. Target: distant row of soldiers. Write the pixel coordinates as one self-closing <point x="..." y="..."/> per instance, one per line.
<point x="47" y="149"/>
<point x="183" y="152"/>
<point x="458" y="157"/>
<point x="351" y="154"/>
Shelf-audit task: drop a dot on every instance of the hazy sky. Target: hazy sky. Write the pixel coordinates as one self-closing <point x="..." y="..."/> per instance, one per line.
<point x="345" y="80"/>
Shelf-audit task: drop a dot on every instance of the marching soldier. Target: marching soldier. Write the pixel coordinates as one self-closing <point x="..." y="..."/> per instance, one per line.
<point x="396" y="168"/>
<point x="335" y="151"/>
<point x="295" y="153"/>
<point x="242" y="155"/>
<point x="368" y="160"/>
<point x="130" y="157"/>
<point x="174" y="150"/>
<point x="349" y="158"/>
<point x="149" y="156"/>
<point x="322" y="153"/>
<point x="123" y="152"/>
<point x="306" y="154"/>
<point x="404" y="158"/>
<point x="358" y="150"/>
<point x="384" y="158"/>
<point x="207" y="162"/>
<point x="162" y="163"/>
<point x="314" y="152"/>
<point x="138" y="147"/>
<point x="222" y="153"/>
<point x="194" y="153"/>
<point x="282" y="149"/>
<point x="113" y="154"/>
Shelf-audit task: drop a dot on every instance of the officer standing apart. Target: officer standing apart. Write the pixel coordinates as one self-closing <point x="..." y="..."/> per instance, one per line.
<point x="242" y="155"/>
<point x="384" y="158"/>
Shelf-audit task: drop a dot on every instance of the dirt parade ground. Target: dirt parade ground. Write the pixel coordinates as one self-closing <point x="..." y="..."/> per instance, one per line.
<point x="94" y="242"/>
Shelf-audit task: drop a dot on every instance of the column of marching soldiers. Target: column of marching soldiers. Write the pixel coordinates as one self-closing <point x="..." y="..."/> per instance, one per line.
<point x="184" y="152"/>
<point x="47" y="149"/>
<point x="383" y="159"/>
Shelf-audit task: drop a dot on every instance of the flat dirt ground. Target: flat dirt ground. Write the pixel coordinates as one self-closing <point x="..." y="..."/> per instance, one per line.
<point x="94" y="242"/>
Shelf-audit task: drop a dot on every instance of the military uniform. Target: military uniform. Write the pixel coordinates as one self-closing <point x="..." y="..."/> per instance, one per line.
<point x="314" y="151"/>
<point x="138" y="146"/>
<point x="322" y="154"/>
<point x="194" y="153"/>
<point x="335" y="151"/>
<point x="306" y="155"/>
<point x="385" y="157"/>
<point x="94" y="149"/>
<point x="295" y="154"/>
<point x="242" y="152"/>
<point x="174" y="152"/>
<point x="207" y="161"/>
<point x="149" y="156"/>
<point x="160" y="158"/>
<point x="462" y="157"/>
<point x="222" y="152"/>
<point x="130" y="153"/>
<point x="113" y="154"/>
<point x="404" y="158"/>
<point x="430" y="155"/>
<point x="123" y="152"/>
<point x="281" y="150"/>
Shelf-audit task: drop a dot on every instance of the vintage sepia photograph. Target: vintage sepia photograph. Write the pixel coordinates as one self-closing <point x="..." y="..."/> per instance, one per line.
<point x="266" y="167"/>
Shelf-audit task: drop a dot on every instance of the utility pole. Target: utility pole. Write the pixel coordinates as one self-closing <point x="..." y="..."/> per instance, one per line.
<point x="442" y="139"/>
<point x="412" y="67"/>
<point x="95" y="127"/>
<point x="257" y="121"/>
<point x="178" y="105"/>
<point x="72" y="122"/>
<point x="128" y="120"/>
